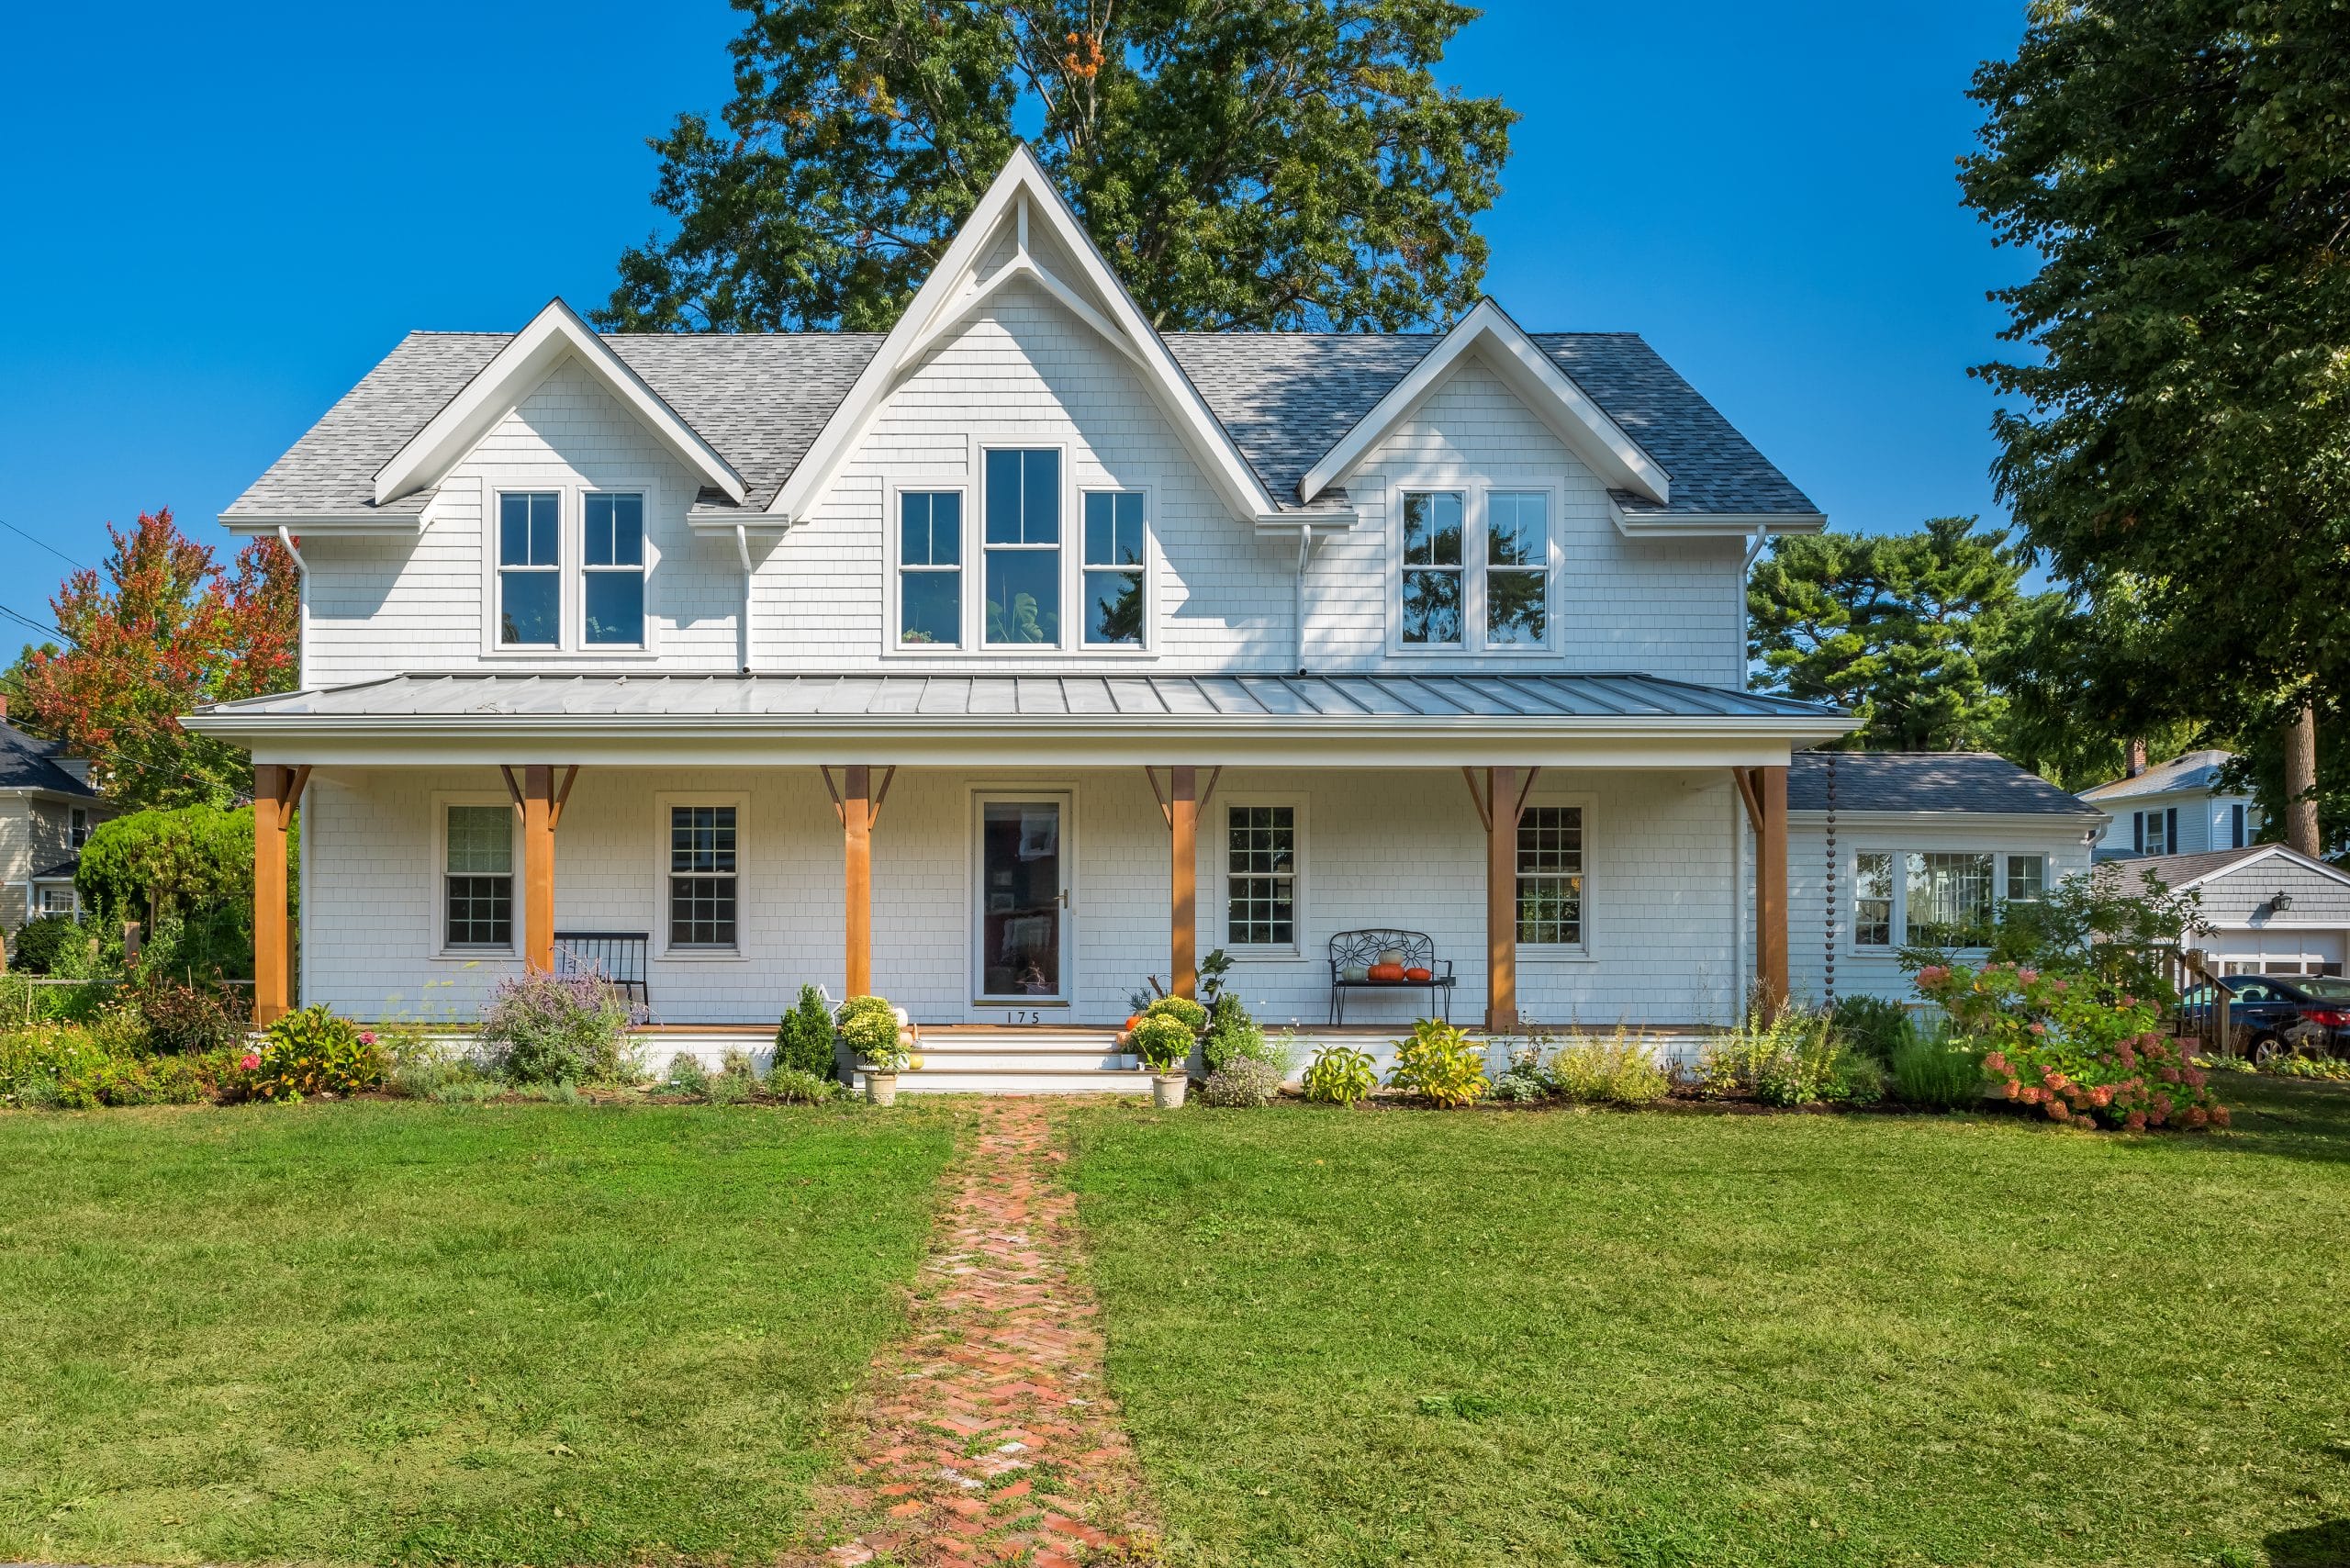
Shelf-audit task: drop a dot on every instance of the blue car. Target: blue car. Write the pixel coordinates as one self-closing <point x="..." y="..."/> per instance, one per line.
<point x="2274" y="1013"/>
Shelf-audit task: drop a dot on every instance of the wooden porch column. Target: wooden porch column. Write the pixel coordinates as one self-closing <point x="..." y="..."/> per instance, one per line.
<point x="272" y="972"/>
<point x="1771" y="886"/>
<point x="1182" y="839"/>
<point x="1503" y="798"/>
<point x="857" y="826"/>
<point x="538" y="869"/>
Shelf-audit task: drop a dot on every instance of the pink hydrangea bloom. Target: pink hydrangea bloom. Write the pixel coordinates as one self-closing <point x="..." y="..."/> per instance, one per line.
<point x="249" y="1061"/>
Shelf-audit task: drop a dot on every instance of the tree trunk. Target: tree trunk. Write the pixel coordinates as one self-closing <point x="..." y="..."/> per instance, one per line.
<point x="2301" y="780"/>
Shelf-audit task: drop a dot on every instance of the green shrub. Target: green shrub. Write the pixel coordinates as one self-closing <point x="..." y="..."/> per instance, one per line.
<point x="1792" y="1058"/>
<point x="1619" y="1071"/>
<point x="730" y="1087"/>
<point x="687" y="1076"/>
<point x="1193" y="1017"/>
<point x="795" y="1086"/>
<point x="542" y="1028"/>
<point x="870" y="1026"/>
<point x="51" y="944"/>
<point x="1162" y="1040"/>
<point x="803" y="1041"/>
<point x="1232" y="1035"/>
<point x="1870" y="1025"/>
<point x="1340" y="1075"/>
<point x="1525" y="1079"/>
<point x="1935" y="1073"/>
<point x="1242" y="1082"/>
<point x="435" y="1075"/>
<point x="34" y="1060"/>
<point x="188" y="1020"/>
<point x="1440" y="1064"/>
<point x="315" y="1052"/>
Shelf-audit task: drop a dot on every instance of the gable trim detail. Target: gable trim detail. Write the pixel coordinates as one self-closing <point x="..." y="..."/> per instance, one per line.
<point x="1546" y="390"/>
<point x="555" y="333"/>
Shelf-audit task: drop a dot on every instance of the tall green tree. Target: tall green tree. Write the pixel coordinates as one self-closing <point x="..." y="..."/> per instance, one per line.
<point x="2075" y="676"/>
<point x="2177" y="440"/>
<point x="1276" y="163"/>
<point x="1890" y="626"/>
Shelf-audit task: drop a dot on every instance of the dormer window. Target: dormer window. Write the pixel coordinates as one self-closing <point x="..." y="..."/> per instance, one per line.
<point x="612" y="571"/>
<point x="530" y="569"/>
<point x="1474" y="570"/>
<point x="1023" y="547"/>
<point x="1432" y="569"/>
<point x="1115" y="553"/>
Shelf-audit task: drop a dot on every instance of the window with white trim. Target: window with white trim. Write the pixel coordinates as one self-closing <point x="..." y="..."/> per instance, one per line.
<point x="1939" y="898"/>
<point x="1113" y="568"/>
<point x="1260" y="876"/>
<point x="612" y="570"/>
<point x="1022" y="543"/>
<point x="1432" y="569"/>
<point x="1517" y="568"/>
<point x="2027" y="879"/>
<point x="1474" y="572"/>
<point x="929" y="568"/>
<point x="58" y="900"/>
<point x="1551" y="876"/>
<point x="702" y="877"/>
<point x="1872" y="901"/>
<point x="477" y="878"/>
<point x="530" y="569"/>
<point x="77" y="825"/>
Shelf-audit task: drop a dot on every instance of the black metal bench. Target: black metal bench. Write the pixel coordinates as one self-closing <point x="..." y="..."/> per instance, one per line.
<point x="616" y="957"/>
<point x="1353" y="955"/>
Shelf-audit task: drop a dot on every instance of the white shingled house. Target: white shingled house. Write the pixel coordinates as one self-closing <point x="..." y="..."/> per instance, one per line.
<point x="999" y="662"/>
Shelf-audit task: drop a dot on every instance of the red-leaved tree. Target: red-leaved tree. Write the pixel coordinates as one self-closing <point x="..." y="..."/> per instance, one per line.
<point x="165" y="630"/>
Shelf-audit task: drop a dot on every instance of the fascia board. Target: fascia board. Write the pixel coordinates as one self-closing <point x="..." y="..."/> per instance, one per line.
<point x="2268" y="852"/>
<point x="1586" y="427"/>
<point x="2054" y="822"/>
<point x="556" y="331"/>
<point x="1714" y="525"/>
<point x="343" y="525"/>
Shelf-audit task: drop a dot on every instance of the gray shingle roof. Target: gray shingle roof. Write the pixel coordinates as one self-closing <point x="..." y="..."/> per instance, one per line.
<point x="2133" y="873"/>
<point x="2195" y="771"/>
<point x="1304" y="700"/>
<point x="759" y="398"/>
<point x="30" y="763"/>
<point x="1870" y="781"/>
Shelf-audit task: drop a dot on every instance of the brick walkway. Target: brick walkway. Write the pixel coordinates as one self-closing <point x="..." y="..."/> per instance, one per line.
<point x="990" y="1437"/>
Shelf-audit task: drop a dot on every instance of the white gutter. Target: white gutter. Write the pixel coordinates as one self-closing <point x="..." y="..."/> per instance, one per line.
<point x="302" y="613"/>
<point x="1305" y="558"/>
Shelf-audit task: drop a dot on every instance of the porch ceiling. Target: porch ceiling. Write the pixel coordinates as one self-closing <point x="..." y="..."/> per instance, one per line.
<point x="1364" y="720"/>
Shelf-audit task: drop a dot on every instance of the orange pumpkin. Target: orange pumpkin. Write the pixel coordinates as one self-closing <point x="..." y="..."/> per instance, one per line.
<point x="1420" y="976"/>
<point x="1387" y="974"/>
<point x="1132" y="1019"/>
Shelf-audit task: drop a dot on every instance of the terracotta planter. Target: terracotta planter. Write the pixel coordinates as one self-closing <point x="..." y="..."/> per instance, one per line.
<point x="1168" y="1088"/>
<point x="881" y="1088"/>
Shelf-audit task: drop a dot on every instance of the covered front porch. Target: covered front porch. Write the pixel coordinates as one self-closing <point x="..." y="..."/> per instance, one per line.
<point x="1029" y="869"/>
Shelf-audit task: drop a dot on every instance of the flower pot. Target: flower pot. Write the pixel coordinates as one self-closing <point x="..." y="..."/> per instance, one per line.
<point x="881" y="1088"/>
<point x="1166" y="1089"/>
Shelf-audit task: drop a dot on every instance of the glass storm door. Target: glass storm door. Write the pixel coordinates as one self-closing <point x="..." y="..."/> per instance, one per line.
<point x="1022" y="914"/>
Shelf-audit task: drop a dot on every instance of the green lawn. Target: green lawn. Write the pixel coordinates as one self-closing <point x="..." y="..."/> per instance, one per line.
<point x="391" y="1333"/>
<point x="1396" y="1337"/>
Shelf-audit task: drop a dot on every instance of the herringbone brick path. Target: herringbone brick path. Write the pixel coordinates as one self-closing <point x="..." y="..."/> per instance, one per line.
<point x="991" y="1439"/>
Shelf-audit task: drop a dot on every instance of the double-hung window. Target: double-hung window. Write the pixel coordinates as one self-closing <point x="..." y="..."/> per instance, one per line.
<point x="1023" y="547"/>
<point x="1113" y="568"/>
<point x="1551" y="876"/>
<point x="1260" y="876"/>
<point x="702" y="878"/>
<point x="2155" y="833"/>
<point x="477" y="878"/>
<point x="77" y="826"/>
<point x="1517" y="568"/>
<point x="1432" y="569"/>
<point x="530" y="569"/>
<point x="929" y="568"/>
<point x="2027" y="879"/>
<point x="612" y="571"/>
<point x="1872" y="901"/>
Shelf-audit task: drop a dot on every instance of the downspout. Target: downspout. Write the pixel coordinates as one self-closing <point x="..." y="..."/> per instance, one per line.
<point x="742" y="635"/>
<point x="1305" y="558"/>
<point x="302" y="613"/>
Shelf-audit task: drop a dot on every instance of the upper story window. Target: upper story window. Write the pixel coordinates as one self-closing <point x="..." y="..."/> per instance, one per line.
<point x="1475" y="582"/>
<point x="77" y="826"/>
<point x="612" y="571"/>
<point x="1023" y="548"/>
<point x="929" y="568"/>
<point x="2155" y="833"/>
<point x="530" y="569"/>
<point x="1113" y="568"/>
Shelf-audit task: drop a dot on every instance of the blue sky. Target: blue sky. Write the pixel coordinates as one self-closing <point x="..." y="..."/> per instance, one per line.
<point x="220" y="217"/>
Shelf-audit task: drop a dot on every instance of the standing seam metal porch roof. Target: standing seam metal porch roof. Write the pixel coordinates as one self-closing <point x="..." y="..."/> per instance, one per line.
<point x="1307" y="699"/>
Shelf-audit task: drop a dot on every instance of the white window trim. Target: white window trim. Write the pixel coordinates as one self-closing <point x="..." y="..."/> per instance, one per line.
<point x="442" y="800"/>
<point x="663" y="948"/>
<point x="33" y="890"/>
<point x="1221" y="862"/>
<point x="1849" y="891"/>
<point x="1149" y="570"/>
<point x="892" y="647"/>
<point x="571" y="534"/>
<point x="976" y="610"/>
<point x="975" y="797"/>
<point x="1476" y="493"/>
<point x="582" y="571"/>
<point x="1561" y="952"/>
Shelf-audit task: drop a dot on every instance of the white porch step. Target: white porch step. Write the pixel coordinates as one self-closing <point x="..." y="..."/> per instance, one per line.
<point x="1070" y="1059"/>
<point x="1023" y="1080"/>
<point x="1023" y="1061"/>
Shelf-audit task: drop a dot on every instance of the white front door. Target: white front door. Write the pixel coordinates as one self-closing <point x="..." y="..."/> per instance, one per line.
<point x="1021" y="861"/>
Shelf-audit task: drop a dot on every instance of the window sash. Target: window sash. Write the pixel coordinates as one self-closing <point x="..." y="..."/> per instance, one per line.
<point x="478" y="876"/>
<point x="1432" y="568"/>
<point x="1949" y="900"/>
<point x="2027" y="879"/>
<point x="703" y="868"/>
<point x="1551" y="859"/>
<point x="1260" y="876"/>
<point x="929" y="568"/>
<point x="1873" y="899"/>
<point x="530" y="569"/>
<point x="612" y="570"/>
<point x="1022" y="546"/>
<point x="1114" y="548"/>
<point x="1517" y="568"/>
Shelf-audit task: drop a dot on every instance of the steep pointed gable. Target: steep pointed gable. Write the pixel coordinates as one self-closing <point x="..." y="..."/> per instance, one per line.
<point x="1497" y="341"/>
<point x="1022" y="231"/>
<point x="555" y="335"/>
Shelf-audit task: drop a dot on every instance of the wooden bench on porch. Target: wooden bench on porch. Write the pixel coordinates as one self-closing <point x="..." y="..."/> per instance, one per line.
<point x="1359" y="960"/>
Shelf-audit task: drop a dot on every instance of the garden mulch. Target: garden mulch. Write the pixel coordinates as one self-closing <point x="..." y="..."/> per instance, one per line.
<point x="990" y="1435"/>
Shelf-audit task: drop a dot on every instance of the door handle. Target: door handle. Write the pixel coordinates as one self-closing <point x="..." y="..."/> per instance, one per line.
<point x="1064" y="898"/>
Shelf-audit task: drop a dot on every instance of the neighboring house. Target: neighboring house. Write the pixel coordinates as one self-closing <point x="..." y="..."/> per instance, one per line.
<point x="1004" y="660"/>
<point x="2272" y="910"/>
<point x="2174" y="808"/>
<point x="47" y="809"/>
<point x="1894" y="849"/>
